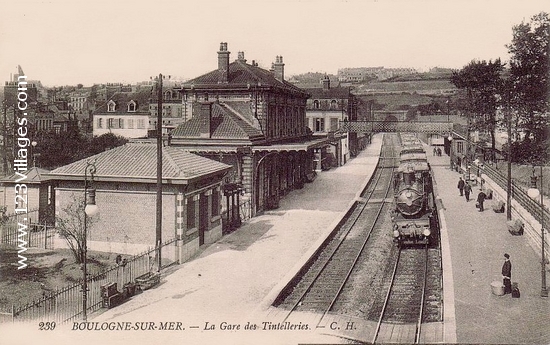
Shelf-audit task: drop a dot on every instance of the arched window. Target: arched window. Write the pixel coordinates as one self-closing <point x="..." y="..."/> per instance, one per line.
<point x="333" y="104"/>
<point x="111" y="106"/>
<point x="316" y="104"/>
<point x="132" y="106"/>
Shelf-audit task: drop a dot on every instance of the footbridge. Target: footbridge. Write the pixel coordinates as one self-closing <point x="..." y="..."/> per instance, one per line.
<point x="396" y="126"/>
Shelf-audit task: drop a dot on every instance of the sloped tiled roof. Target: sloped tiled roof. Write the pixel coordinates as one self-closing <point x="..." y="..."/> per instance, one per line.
<point x="240" y="73"/>
<point x="139" y="161"/>
<point x="122" y="99"/>
<point x="34" y="175"/>
<point x="225" y="124"/>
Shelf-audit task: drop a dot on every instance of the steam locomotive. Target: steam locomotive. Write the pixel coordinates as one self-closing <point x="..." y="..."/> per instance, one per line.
<point x="413" y="208"/>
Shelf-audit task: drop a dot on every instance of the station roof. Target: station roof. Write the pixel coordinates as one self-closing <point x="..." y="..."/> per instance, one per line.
<point x="136" y="162"/>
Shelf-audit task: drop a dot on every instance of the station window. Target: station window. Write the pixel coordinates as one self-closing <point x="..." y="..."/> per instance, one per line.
<point x="319" y="124"/>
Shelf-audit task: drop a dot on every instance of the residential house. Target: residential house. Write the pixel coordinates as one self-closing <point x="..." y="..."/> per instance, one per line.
<point x="125" y="114"/>
<point x="172" y="110"/>
<point x="325" y="109"/>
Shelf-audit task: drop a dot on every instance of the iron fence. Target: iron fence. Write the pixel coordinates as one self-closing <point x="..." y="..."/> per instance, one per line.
<point x="65" y="304"/>
<point x="23" y="227"/>
<point x="518" y="193"/>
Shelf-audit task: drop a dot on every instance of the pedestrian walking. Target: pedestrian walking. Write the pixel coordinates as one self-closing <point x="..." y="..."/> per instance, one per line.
<point x="461" y="185"/>
<point x="435" y="151"/>
<point x="480" y="199"/>
<point x="467" y="190"/>
<point x="439" y="152"/>
<point x="507" y="274"/>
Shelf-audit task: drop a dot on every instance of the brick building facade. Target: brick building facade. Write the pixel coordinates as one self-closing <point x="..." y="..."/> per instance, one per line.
<point x="125" y="183"/>
<point x="254" y="120"/>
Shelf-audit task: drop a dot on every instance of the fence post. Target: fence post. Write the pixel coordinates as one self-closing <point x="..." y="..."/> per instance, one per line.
<point x="45" y="236"/>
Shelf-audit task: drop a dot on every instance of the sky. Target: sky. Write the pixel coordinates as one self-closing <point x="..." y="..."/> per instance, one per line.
<point x="66" y="42"/>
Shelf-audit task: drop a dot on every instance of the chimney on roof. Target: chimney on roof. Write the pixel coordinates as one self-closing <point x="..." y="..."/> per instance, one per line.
<point x="279" y="68"/>
<point x="240" y="57"/>
<point x="204" y="112"/>
<point x="223" y="62"/>
<point x="326" y="82"/>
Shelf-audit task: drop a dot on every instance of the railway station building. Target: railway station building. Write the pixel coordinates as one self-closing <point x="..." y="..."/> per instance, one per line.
<point x="254" y="120"/>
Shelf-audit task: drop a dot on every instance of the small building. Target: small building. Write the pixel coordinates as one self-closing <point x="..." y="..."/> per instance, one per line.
<point x="37" y="197"/>
<point x="125" y="183"/>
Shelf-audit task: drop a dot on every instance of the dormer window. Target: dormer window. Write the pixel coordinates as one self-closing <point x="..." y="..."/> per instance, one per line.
<point x="315" y="104"/>
<point x="168" y="95"/>
<point x="111" y="106"/>
<point x="132" y="106"/>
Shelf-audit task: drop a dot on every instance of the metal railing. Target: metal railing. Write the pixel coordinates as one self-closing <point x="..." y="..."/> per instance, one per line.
<point x="20" y="227"/>
<point x="65" y="304"/>
<point x="518" y="193"/>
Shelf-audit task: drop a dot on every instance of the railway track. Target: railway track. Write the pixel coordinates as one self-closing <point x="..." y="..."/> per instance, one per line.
<point x="322" y="285"/>
<point x="413" y="296"/>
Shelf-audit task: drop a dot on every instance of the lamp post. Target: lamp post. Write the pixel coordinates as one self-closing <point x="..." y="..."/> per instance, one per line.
<point x="450" y="138"/>
<point x="534" y="193"/>
<point x="34" y="143"/>
<point x="90" y="209"/>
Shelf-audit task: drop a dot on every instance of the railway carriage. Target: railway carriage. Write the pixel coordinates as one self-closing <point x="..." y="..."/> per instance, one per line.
<point x="413" y="211"/>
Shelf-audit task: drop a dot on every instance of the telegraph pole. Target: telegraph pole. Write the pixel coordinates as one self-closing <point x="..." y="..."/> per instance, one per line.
<point x="5" y="144"/>
<point x="159" y="171"/>
<point x="509" y="181"/>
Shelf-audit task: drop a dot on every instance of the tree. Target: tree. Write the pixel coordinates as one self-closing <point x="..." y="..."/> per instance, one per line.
<point x="70" y="226"/>
<point x="482" y="82"/>
<point x="58" y="149"/>
<point x="529" y="66"/>
<point x="104" y="142"/>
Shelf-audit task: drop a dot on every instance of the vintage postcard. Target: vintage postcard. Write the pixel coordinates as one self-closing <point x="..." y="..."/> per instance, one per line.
<point x="274" y="172"/>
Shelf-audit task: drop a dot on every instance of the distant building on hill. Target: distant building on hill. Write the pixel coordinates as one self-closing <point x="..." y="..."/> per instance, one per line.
<point x="360" y="74"/>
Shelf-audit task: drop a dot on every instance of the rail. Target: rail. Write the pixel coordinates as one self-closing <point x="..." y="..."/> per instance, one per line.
<point x="337" y="247"/>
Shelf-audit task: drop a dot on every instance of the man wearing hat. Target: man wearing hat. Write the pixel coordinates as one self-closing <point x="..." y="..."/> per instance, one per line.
<point x="507" y="274"/>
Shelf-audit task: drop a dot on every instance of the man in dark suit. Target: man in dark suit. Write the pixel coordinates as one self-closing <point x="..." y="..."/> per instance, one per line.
<point x="461" y="186"/>
<point x="507" y="274"/>
<point x="467" y="191"/>
<point x="480" y="199"/>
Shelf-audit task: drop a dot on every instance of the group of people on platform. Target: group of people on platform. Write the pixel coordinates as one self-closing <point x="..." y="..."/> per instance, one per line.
<point x="465" y="189"/>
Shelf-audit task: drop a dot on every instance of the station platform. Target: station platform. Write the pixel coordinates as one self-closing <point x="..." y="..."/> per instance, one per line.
<point x="475" y="246"/>
<point x="232" y="282"/>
